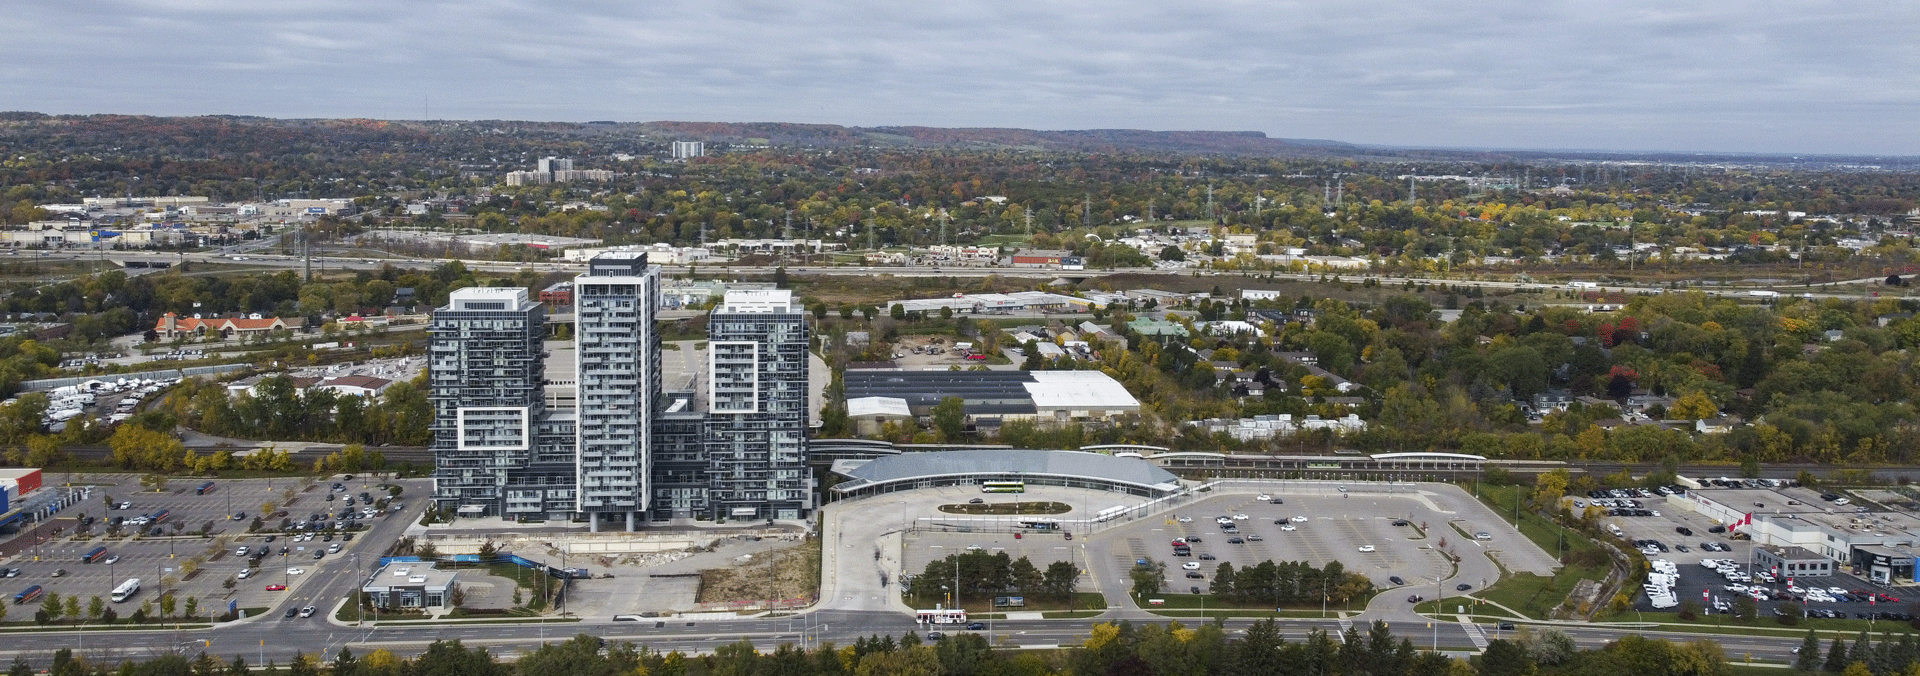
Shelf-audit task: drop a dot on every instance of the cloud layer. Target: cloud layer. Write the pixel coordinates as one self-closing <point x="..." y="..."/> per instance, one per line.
<point x="1805" y="77"/>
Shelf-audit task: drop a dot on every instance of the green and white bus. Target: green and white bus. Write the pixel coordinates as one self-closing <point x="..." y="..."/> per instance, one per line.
<point x="1003" y="487"/>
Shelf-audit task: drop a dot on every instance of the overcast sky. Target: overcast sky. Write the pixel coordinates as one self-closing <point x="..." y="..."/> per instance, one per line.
<point x="1795" y="77"/>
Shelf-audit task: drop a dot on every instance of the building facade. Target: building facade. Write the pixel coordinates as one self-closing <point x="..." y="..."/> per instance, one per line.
<point x="617" y="358"/>
<point x="622" y="451"/>
<point x="485" y="367"/>
<point x="756" y="417"/>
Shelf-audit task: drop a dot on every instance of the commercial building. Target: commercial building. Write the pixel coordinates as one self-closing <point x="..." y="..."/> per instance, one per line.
<point x="1076" y="469"/>
<point x="416" y="584"/>
<point x="1877" y="545"/>
<point x="617" y="366"/>
<point x="558" y="294"/>
<point x="171" y="326"/>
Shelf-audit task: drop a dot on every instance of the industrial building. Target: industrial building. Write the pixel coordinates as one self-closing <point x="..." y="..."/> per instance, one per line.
<point x="993" y="397"/>
<point x="992" y="303"/>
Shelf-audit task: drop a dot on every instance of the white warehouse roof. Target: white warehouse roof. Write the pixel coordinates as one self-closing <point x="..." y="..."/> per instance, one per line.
<point x="865" y="406"/>
<point x="1078" y="390"/>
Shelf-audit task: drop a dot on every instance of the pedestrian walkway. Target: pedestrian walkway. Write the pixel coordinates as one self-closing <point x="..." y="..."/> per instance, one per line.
<point x="1346" y="625"/>
<point x="1474" y="633"/>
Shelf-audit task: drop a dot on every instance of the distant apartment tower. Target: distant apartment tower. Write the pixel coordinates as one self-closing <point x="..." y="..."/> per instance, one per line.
<point x="756" y="422"/>
<point x="496" y="450"/>
<point x="683" y="150"/>
<point x="617" y="360"/>
<point x="556" y="170"/>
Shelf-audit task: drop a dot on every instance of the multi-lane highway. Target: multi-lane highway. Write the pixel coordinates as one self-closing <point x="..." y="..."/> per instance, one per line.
<point x="252" y="257"/>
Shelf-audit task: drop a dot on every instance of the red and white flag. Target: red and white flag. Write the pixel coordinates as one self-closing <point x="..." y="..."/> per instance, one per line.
<point x="1742" y="521"/>
<point x="1706" y="595"/>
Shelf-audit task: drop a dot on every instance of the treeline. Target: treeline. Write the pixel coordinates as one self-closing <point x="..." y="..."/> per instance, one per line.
<point x="275" y="409"/>
<point x="1119" y="648"/>
<point x="1805" y="380"/>
<point x="982" y="575"/>
<point x="1289" y="582"/>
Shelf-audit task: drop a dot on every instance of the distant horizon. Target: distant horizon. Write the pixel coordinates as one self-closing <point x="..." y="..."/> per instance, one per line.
<point x="1365" y="145"/>
<point x="1821" y="78"/>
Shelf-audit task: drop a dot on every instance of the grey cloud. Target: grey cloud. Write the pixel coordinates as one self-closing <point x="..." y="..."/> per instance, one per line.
<point x="1635" y="74"/>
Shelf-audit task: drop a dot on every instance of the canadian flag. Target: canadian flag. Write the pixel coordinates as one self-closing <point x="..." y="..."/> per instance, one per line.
<point x="1742" y="521"/>
<point x="1706" y="594"/>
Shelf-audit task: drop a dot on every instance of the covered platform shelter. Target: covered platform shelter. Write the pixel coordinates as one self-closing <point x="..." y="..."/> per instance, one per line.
<point x="1074" y="469"/>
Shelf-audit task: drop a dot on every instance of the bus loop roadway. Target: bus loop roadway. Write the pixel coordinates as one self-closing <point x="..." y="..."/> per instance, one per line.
<point x="859" y="597"/>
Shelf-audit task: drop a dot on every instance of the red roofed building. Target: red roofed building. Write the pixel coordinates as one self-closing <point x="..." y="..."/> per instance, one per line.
<point x="174" y="326"/>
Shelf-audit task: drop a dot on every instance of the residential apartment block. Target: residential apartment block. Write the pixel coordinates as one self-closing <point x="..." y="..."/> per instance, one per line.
<point x="491" y="430"/>
<point x="757" y="406"/>
<point x="617" y="357"/>
<point x="629" y="453"/>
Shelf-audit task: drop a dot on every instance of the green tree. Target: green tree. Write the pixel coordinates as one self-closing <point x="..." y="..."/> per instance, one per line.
<point x="1059" y="579"/>
<point x="1148" y="579"/>
<point x="1836" y="657"/>
<point x="1808" y="658"/>
<point x="95" y="607"/>
<point x="950" y="418"/>
<point x="1505" y="658"/>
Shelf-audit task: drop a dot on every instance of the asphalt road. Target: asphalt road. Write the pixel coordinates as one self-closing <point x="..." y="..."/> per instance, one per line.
<point x="272" y="640"/>
<point x="854" y="606"/>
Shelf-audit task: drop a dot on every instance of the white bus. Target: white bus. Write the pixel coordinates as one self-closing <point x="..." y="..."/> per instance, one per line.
<point x="126" y="590"/>
<point x="941" y="616"/>
<point x="1003" y="486"/>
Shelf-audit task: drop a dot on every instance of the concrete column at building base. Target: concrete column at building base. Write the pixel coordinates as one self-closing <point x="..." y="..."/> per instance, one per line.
<point x="630" y="521"/>
<point x="593" y="522"/>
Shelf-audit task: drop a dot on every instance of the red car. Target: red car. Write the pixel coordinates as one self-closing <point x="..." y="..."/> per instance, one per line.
<point x="276" y="587"/>
<point x="977" y="357"/>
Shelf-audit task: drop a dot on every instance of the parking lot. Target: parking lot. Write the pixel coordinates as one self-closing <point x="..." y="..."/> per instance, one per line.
<point x="1355" y="527"/>
<point x="56" y="563"/>
<point x="1708" y="589"/>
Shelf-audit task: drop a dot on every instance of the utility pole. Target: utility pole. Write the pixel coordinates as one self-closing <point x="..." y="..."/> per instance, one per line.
<point x="943" y="227"/>
<point x="1210" y="213"/>
<point x="1413" y="196"/>
<point x="1086" y="211"/>
<point x="306" y="252"/>
<point x="786" y="231"/>
<point x="1029" y="214"/>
